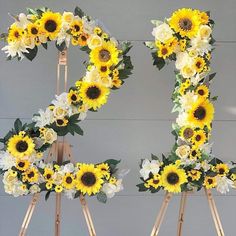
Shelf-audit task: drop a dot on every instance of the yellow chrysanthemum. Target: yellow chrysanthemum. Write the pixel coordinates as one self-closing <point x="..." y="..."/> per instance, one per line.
<point x="20" y="146"/>
<point x="164" y="51"/>
<point x="202" y="91"/>
<point x="186" y="132"/>
<point x="201" y="114"/>
<point x="199" y="138"/>
<point x="22" y="164"/>
<point x="104" y="168"/>
<point x="76" y="27"/>
<point x="89" y="179"/>
<point x="73" y="97"/>
<point x="93" y="94"/>
<point x="106" y="54"/>
<point x="194" y="175"/>
<point x="50" y="23"/>
<point x="222" y="169"/>
<point x="68" y="181"/>
<point x="185" y="22"/>
<point x="199" y="64"/>
<point x="172" y="178"/>
<point x="31" y="175"/>
<point x="154" y="182"/>
<point x="15" y="33"/>
<point x="210" y="182"/>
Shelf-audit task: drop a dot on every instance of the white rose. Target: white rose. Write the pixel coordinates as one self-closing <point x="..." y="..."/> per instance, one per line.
<point x="182" y="119"/>
<point x="188" y="71"/>
<point x="183" y="151"/>
<point x="204" y="32"/>
<point x="162" y="32"/>
<point x="183" y="59"/>
<point x="94" y="41"/>
<point x="68" y="17"/>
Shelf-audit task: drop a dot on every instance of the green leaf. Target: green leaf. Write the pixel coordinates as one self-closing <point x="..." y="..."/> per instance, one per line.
<point x="31" y="11"/>
<point x="77" y="194"/>
<point x="31" y="53"/>
<point x="141" y="187"/>
<point x="233" y="170"/>
<point x="214" y="98"/>
<point x="157" y="61"/>
<point x="211" y="76"/>
<point x="102" y="197"/>
<point x="126" y="46"/>
<point x="154" y="157"/>
<point x="45" y="45"/>
<point x="112" y="162"/>
<point x="150" y="45"/>
<point x="77" y="129"/>
<point x="215" y="161"/>
<point x="78" y="12"/>
<point x="18" y="125"/>
<point x="61" y="47"/>
<point x="47" y="195"/>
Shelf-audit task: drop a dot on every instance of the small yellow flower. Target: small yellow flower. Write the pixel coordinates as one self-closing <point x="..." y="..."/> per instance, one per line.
<point x="97" y="30"/>
<point x="48" y="185"/>
<point x="58" y="188"/>
<point x="57" y="167"/>
<point x="112" y="180"/>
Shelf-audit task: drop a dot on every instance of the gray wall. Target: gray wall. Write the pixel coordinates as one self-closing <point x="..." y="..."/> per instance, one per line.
<point x="135" y="122"/>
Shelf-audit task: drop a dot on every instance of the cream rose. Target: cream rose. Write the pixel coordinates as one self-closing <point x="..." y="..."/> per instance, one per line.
<point x="59" y="112"/>
<point x="188" y="71"/>
<point x="94" y="41"/>
<point x="205" y="31"/>
<point x="68" y="17"/>
<point x="183" y="151"/>
<point x="162" y="32"/>
<point x="49" y="136"/>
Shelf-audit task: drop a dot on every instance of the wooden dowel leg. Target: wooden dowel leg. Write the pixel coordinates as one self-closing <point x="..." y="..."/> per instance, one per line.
<point x="58" y="215"/>
<point x="29" y="214"/>
<point x="161" y="214"/>
<point x="214" y="212"/>
<point x="181" y="213"/>
<point x="87" y="216"/>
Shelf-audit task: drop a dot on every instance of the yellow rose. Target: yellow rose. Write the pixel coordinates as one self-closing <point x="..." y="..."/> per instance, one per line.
<point x="94" y="41"/>
<point x="68" y="17"/>
<point x="205" y="31"/>
<point x="188" y="71"/>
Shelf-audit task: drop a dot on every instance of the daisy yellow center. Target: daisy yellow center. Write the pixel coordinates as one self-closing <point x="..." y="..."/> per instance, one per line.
<point x="185" y="24"/>
<point x="21" y="146"/>
<point x="88" y="179"/>
<point x="200" y="113"/>
<point x="93" y="92"/>
<point x="104" y="55"/>
<point x="172" y="178"/>
<point x="50" y="25"/>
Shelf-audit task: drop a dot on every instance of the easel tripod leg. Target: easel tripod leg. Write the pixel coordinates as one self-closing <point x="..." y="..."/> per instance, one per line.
<point x="87" y="216"/>
<point x="214" y="212"/>
<point x="181" y="213"/>
<point x="161" y="214"/>
<point x="29" y="214"/>
<point x="58" y="215"/>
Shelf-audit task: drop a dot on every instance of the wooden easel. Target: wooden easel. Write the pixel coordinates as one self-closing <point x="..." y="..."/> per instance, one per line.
<point x="184" y="195"/>
<point x="59" y="151"/>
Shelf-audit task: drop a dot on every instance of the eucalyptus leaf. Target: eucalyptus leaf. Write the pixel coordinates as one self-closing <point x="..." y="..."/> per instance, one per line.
<point x="102" y="197"/>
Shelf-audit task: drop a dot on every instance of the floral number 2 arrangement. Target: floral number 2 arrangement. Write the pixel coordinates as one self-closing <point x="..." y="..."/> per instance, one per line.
<point x="24" y="171"/>
<point x="186" y="38"/>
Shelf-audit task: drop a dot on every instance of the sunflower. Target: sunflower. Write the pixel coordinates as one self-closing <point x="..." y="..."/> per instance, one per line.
<point x="82" y="40"/>
<point x="195" y="153"/>
<point x="15" y="33"/>
<point x="204" y="18"/>
<point x="20" y="146"/>
<point x="73" y="97"/>
<point x="76" y="27"/>
<point x="154" y="182"/>
<point x="106" y="54"/>
<point x="48" y="173"/>
<point x="222" y="169"/>
<point x="186" y="132"/>
<point x="164" y="51"/>
<point x="201" y="114"/>
<point x="104" y="70"/>
<point x="210" y="182"/>
<point x="194" y="174"/>
<point x="61" y="122"/>
<point x="22" y="165"/>
<point x="185" y="22"/>
<point x="172" y="178"/>
<point x="89" y="179"/>
<point x="93" y="94"/>
<point x="104" y="168"/>
<point x="199" y="64"/>
<point x="33" y="30"/>
<point x="31" y="175"/>
<point x="199" y="138"/>
<point x="50" y="23"/>
<point x="68" y="181"/>
<point x="202" y="91"/>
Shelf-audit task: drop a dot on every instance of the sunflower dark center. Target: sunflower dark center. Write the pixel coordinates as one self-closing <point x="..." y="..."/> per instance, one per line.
<point x="48" y="176"/>
<point x="210" y="181"/>
<point x="221" y="171"/>
<point x="50" y="26"/>
<point x="73" y="97"/>
<point x="185" y="24"/>
<point x="21" y="164"/>
<point x="173" y="178"/>
<point x="198" y="137"/>
<point x="83" y="38"/>
<point x="34" y="30"/>
<point x="201" y="92"/>
<point x="104" y="55"/>
<point x="194" y="153"/>
<point x="156" y="181"/>
<point x="88" y="179"/>
<point x="188" y="133"/>
<point x="77" y="28"/>
<point x="164" y="51"/>
<point x="69" y="180"/>
<point x="200" y="113"/>
<point x="21" y="146"/>
<point x="60" y="122"/>
<point x="17" y="35"/>
<point x="93" y="92"/>
<point x="31" y="174"/>
<point x="103" y="68"/>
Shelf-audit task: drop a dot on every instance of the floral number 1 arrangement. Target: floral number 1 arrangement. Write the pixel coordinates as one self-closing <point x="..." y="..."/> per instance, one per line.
<point x="24" y="171"/>
<point x="186" y="38"/>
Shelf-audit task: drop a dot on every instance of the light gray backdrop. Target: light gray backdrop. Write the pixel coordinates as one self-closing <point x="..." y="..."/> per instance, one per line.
<point x="134" y="123"/>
